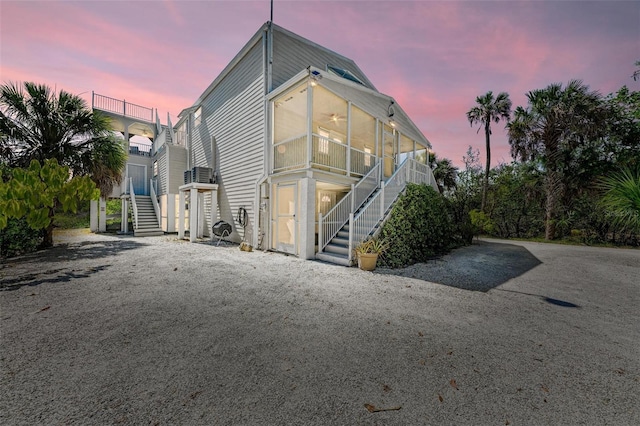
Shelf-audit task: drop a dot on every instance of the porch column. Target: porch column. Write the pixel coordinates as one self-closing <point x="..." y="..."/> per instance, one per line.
<point x="307" y="222"/>
<point x="102" y="215"/>
<point x="193" y="214"/>
<point x="309" y="123"/>
<point x="348" y="159"/>
<point x="181" y="205"/>
<point x="214" y="211"/>
<point x="93" y="215"/>
<point x="124" y="215"/>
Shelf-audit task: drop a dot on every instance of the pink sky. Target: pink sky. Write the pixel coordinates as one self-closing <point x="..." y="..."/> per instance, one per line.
<point x="433" y="57"/>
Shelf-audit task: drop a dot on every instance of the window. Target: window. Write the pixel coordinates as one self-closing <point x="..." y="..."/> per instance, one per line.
<point x="323" y="143"/>
<point x="367" y="157"/>
<point x="346" y="74"/>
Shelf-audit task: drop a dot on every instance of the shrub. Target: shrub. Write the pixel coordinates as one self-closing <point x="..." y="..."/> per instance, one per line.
<point x="420" y="226"/>
<point x="18" y="238"/>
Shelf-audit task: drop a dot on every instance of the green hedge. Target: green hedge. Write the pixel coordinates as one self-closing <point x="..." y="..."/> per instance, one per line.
<point x="18" y="238"/>
<point x="420" y="227"/>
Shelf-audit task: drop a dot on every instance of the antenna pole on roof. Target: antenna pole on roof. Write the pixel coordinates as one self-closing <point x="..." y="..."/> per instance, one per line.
<point x="271" y="20"/>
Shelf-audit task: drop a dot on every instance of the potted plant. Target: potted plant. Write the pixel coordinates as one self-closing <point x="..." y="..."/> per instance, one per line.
<point x="367" y="253"/>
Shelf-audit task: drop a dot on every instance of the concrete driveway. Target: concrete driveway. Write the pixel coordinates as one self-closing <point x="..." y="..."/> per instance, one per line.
<point x="116" y="330"/>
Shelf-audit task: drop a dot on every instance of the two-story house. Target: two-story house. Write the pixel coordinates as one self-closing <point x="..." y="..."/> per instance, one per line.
<point x="291" y="144"/>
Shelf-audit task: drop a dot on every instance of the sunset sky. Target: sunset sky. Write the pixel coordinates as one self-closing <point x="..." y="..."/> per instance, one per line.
<point x="433" y="57"/>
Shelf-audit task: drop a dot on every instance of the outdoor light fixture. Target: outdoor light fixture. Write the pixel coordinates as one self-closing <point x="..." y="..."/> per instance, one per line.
<point x="326" y="199"/>
<point x="392" y="123"/>
<point x="315" y="77"/>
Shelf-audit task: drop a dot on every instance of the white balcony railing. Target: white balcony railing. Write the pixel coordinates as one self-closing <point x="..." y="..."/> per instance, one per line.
<point x="326" y="154"/>
<point x="290" y="154"/>
<point x="121" y="107"/>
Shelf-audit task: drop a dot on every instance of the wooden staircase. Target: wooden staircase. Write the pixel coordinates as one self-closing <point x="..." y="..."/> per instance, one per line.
<point x="146" y="224"/>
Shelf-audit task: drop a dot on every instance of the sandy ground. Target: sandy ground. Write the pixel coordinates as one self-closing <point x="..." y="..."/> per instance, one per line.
<point x="155" y="331"/>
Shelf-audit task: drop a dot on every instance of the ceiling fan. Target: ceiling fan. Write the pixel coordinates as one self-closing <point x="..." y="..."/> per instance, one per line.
<point x="334" y="118"/>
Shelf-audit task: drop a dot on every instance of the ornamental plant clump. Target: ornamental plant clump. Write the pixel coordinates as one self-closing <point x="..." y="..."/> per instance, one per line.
<point x="36" y="193"/>
<point x="372" y="245"/>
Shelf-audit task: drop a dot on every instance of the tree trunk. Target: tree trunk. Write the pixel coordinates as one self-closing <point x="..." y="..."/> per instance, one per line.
<point x="487" y="167"/>
<point x="553" y="188"/>
<point x="48" y="237"/>
<point x="48" y="232"/>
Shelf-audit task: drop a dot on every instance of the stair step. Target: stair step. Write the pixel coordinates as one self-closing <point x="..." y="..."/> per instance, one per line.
<point x="340" y="241"/>
<point x="332" y="258"/>
<point x="332" y="248"/>
<point x="153" y="232"/>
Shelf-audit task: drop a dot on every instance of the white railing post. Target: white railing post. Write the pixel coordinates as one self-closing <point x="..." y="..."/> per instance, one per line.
<point x="133" y="203"/>
<point x="382" y="186"/>
<point x="320" y="246"/>
<point x="154" y="201"/>
<point x="351" y="231"/>
<point x="353" y="198"/>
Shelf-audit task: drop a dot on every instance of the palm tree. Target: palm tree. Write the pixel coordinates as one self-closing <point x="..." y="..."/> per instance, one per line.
<point x="37" y="123"/>
<point x="445" y="174"/>
<point x="489" y="109"/>
<point x="557" y="121"/>
<point x="622" y="198"/>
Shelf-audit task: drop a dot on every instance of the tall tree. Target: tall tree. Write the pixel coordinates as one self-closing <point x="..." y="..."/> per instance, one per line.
<point x="445" y="174"/>
<point x="36" y="123"/>
<point x="557" y="123"/>
<point x="487" y="110"/>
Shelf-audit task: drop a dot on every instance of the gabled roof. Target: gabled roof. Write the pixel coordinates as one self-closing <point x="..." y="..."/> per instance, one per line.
<point x="349" y="64"/>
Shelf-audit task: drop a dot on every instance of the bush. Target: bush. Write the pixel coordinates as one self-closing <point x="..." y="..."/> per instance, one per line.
<point x="18" y="238"/>
<point x="420" y="226"/>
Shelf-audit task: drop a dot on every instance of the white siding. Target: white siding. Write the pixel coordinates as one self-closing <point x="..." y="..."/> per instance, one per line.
<point x="177" y="165"/>
<point x="163" y="171"/>
<point x="292" y="54"/>
<point x="231" y="136"/>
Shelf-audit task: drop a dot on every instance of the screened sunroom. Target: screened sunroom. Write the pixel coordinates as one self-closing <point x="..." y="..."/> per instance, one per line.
<point x="318" y="125"/>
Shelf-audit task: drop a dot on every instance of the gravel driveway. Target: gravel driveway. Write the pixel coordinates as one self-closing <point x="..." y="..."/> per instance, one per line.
<point x="154" y="331"/>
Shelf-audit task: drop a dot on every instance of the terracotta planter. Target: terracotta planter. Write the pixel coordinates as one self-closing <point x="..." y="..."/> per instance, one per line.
<point x="367" y="261"/>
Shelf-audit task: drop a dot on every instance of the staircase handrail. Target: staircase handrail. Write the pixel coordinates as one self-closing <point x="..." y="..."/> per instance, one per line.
<point x="330" y="224"/>
<point x="133" y="203"/>
<point x="171" y="131"/>
<point x="374" y="209"/>
<point x="154" y="201"/>
<point x="158" y="125"/>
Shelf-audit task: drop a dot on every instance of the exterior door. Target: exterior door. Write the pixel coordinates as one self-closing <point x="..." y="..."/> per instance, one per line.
<point x="285" y="224"/>
<point x="138" y="174"/>
<point x="389" y="151"/>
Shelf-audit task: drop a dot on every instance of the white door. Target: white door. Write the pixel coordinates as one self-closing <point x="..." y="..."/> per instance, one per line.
<point x="285" y="224"/>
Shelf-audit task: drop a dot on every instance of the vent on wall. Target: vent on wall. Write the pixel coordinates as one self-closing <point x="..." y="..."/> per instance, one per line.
<point x="199" y="175"/>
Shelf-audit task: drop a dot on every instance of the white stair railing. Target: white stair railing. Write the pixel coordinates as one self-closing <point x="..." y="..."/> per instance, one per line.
<point x="338" y="216"/>
<point x="370" y="215"/>
<point x="171" y="131"/>
<point x="134" y="206"/>
<point x="154" y="200"/>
